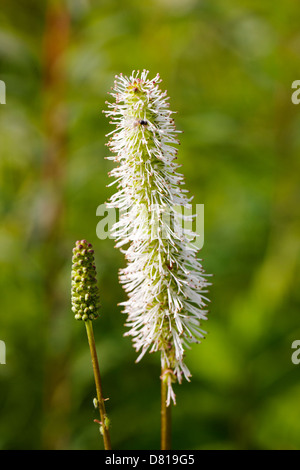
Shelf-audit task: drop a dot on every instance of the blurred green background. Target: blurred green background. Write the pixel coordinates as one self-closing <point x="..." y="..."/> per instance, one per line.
<point x="228" y="68"/>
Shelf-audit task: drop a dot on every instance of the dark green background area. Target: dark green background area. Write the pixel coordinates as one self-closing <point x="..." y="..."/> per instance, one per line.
<point x="228" y="68"/>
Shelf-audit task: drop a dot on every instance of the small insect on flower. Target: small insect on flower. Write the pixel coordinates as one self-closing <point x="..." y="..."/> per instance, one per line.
<point x="140" y="122"/>
<point x="164" y="280"/>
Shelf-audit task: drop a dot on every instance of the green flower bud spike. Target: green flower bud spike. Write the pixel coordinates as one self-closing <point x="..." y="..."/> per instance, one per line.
<point x="85" y="293"/>
<point x="85" y="306"/>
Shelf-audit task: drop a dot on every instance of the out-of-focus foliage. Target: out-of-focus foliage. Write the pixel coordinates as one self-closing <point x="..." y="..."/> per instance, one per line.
<point x="228" y="67"/>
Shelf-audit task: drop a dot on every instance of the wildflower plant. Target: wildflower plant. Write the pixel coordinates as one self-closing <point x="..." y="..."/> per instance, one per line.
<point x="165" y="282"/>
<point x="85" y="306"/>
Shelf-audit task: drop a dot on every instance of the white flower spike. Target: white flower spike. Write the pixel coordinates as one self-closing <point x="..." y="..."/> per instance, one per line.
<point x="164" y="280"/>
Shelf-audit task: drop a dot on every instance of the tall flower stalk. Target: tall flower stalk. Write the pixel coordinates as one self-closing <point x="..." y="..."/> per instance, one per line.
<point x="85" y="305"/>
<point x="164" y="280"/>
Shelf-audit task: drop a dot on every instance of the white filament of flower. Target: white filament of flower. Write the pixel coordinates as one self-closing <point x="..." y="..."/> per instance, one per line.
<point x="164" y="280"/>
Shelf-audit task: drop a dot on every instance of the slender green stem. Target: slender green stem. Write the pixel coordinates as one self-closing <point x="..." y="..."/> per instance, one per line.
<point x="101" y="405"/>
<point x="165" y="415"/>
